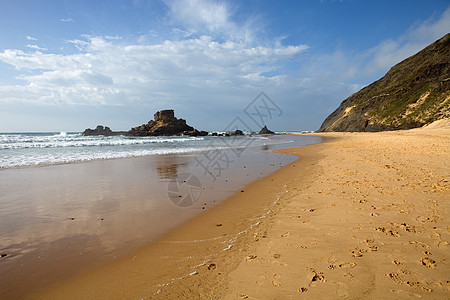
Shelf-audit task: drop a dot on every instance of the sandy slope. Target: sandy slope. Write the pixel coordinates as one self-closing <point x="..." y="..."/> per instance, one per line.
<point x="365" y="215"/>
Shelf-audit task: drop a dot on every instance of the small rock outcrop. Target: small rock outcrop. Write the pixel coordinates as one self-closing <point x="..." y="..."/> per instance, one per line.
<point x="99" y="130"/>
<point x="165" y="124"/>
<point x="265" y="130"/>
<point x="237" y="132"/>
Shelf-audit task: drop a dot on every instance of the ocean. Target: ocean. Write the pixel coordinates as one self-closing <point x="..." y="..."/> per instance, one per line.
<point x="32" y="149"/>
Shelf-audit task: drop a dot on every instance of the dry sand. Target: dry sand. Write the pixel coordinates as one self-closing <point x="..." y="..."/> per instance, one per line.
<point x="364" y="215"/>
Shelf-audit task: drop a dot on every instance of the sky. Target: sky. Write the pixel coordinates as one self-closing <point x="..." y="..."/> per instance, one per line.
<point x="66" y="65"/>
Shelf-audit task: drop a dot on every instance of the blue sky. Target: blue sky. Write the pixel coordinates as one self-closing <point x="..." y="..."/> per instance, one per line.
<point x="69" y="65"/>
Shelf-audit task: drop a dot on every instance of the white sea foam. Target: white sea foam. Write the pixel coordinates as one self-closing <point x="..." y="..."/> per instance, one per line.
<point x="18" y="141"/>
<point x="29" y="149"/>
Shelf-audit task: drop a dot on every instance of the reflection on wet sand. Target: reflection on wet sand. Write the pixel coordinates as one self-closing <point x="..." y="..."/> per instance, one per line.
<point x="168" y="168"/>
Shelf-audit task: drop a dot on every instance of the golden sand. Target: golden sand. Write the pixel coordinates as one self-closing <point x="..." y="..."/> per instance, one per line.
<point x="363" y="215"/>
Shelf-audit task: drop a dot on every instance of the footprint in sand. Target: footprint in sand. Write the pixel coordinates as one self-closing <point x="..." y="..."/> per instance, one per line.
<point x="251" y="257"/>
<point x="428" y="262"/>
<point x="357" y="252"/>
<point x="419" y="244"/>
<point x="276" y="283"/>
<point x="395" y="278"/>
<point x="331" y="267"/>
<point x="407" y="228"/>
<point x="314" y="276"/>
<point x="397" y="263"/>
<point x="442" y="243"/>
<point x="373" y="248"/>
<point x="390" y="232"/>
<point x="287" y="234"/>
<point x="347" y="265"/>
<point x="418" y="285"/>
<point x="426" y="219"/>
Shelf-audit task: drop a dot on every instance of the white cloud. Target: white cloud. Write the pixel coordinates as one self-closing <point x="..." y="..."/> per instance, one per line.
<point x="368" y="65"/>
<point x="30" y="38"/>
<point x="390" y="52"/>
<point x="107" y="72"/>
<point x="210" y="18"/>
<point x="66" y="20"/>
<point x="195" y="14"/>
<point x="36" y="47"/>
<point x="109" y="37"/>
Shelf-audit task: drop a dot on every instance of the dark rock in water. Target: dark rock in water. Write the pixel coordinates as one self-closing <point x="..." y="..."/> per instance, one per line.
<point x="195" y="132"/>
<point x="3" y="255"/>
<point x="265" y="130"/>
<point x="237" y="132"/>
<point x="99" y="130"/>
<point x="165" y="124"/>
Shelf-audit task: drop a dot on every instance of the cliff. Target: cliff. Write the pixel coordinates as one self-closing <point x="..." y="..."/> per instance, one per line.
<point x="415" y="92"/>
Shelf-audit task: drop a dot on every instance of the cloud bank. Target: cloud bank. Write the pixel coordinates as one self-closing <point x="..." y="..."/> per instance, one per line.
<point x="106" y="72"/>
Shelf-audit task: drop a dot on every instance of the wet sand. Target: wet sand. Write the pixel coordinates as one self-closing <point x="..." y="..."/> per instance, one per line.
<point x="59" y="221"/>
<point x="364" y="215"/>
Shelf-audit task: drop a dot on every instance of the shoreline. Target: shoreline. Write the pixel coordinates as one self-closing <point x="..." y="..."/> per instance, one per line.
<point x="346" y="219"/>
<point x="69" y="219"/>
<point x="228" y="223"/>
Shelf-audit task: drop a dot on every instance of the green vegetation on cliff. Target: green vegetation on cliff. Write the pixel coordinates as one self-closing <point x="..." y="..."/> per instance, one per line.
<point x="413" y="93"/>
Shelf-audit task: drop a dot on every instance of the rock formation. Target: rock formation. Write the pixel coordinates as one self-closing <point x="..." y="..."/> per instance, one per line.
<point x="165" y="123"/>
<point x="265" y="130"/>
<point x="99" y="130"/>
<point x="413" y="93"/>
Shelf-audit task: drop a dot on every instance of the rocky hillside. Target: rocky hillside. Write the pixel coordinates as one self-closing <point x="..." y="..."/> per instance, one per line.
<point x="413" y="93"/>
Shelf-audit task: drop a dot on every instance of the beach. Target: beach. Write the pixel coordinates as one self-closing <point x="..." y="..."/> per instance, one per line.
<point x="362" y="215"/>
<point x="58" y="220"/>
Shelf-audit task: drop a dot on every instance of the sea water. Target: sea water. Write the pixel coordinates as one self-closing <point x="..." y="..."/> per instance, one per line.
<point x="31" y="149"/>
